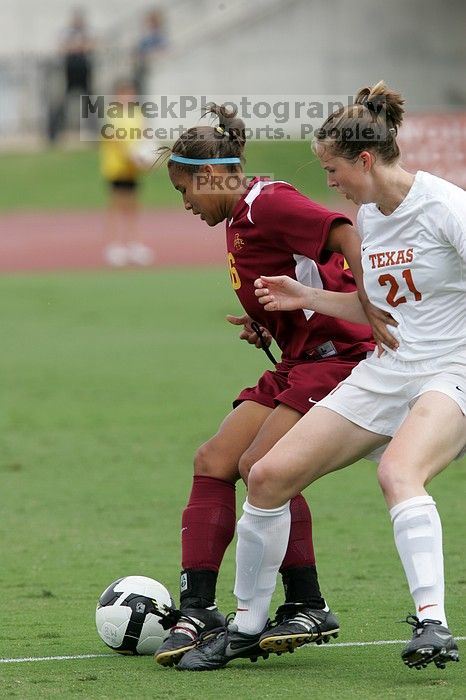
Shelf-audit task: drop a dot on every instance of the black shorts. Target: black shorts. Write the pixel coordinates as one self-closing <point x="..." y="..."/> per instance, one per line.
<point x="127" y="185"/>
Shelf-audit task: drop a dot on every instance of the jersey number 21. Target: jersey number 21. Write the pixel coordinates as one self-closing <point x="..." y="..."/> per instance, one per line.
<point x="392" y="299"/>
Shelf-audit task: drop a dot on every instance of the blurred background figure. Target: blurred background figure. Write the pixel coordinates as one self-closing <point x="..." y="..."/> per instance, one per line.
<point x="76" y="50"/>
<point x="152" y="42"/>
<point x="124" y="158"/>
<point x="181" y="47"/>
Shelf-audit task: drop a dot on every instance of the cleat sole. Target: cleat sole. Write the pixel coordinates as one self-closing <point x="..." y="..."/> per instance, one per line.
<point x="170" y="658"/>
<point x="254" y="659"/>
<point x="427" y="657"/>
<point x="290" y="642"/>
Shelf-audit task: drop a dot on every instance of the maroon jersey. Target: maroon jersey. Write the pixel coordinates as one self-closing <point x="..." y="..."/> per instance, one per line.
<point x="276" y="230"/>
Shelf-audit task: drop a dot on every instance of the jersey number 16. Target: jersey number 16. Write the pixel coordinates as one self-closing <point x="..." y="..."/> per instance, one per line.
<point x="234" y="276"/>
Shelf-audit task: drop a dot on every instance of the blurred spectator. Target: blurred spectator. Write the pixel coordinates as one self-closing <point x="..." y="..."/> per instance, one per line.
<point x="124" y="158"/>
<point x="151" y="43"/>
<point x="77" y="50"/>
<point x="76" y="63"/>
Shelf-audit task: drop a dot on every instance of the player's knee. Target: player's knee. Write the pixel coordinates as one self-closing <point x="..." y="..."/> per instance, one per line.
<point x="391" y="476"/>
<point x="209" y="461"/>
<point x="204" y="463"/>
<point x="263" y="487"/>
<point x="246" y="463"/>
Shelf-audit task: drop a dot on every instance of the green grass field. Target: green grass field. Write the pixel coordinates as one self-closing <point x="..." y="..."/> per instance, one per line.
<point x="58" y="179"/>
<point x="109" y="382"/>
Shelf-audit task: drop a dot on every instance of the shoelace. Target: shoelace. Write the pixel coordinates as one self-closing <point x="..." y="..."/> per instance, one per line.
<point x="290" y="610"/>
<point x="168" y="616"/>
<point x="207" y="636"/>
<point x="286" y="611"/>
<point x="418" y="624"/>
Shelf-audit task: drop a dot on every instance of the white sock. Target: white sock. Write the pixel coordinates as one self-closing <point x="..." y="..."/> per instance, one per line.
<point x="262" y="541"/>
<point x="418" y="538"/>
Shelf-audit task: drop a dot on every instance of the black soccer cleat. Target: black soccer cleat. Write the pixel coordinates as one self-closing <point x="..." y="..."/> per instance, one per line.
<point x="431" y="642"/>
<point x="191" y="623"/>
<point x="214" y="652"/>
<point x="297" y="624"/>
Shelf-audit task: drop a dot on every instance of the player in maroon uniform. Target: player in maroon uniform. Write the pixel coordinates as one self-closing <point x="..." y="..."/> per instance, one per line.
<point x="271" y="229"/>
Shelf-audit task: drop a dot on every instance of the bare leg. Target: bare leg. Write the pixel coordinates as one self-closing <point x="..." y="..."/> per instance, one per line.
<point x="117" y="226"/>
<point x="430" y="438"/>
<point x="305" y="453"/>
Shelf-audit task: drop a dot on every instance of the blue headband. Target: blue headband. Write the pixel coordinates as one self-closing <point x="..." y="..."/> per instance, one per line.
<point x="204" y="161"/>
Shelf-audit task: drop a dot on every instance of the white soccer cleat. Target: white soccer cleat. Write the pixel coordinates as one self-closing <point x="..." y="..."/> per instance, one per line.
<point x="116" y="255"/>
<point x="140" y="254"/>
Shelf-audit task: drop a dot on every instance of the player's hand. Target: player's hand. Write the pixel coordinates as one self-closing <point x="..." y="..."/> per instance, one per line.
<point x="248" y="333"/>
<point x="379" y="321"/>
<point x="281" y="293"/>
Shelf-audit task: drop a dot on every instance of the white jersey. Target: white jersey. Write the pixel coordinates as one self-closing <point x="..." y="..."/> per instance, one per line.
<point x="414" y="263"/>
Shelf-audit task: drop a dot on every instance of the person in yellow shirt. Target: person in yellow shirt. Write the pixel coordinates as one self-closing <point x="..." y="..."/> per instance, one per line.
<point x="124" y="157"/>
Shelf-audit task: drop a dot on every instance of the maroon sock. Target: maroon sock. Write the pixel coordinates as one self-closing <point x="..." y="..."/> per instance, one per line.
<point x="300" y="550"/>
<point x="208" y="523"/>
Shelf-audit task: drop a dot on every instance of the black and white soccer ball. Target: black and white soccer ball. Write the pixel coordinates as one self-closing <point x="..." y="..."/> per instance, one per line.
<point x="133" y="615"/>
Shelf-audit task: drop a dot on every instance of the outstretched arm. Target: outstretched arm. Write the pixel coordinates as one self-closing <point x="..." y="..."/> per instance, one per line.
<point x="286" y="294"/>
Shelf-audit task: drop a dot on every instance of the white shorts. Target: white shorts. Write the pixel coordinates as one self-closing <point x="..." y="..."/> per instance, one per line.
<point x="380" y="391"/>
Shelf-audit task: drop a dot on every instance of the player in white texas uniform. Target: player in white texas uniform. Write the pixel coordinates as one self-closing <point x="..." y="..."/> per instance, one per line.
<point x="409" y="402"/>
<point x="414" y="268"/>
<point x="413" y="262"/>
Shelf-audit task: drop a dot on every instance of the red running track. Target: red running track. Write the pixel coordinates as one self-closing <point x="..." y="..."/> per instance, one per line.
<point x="73" y="240"/>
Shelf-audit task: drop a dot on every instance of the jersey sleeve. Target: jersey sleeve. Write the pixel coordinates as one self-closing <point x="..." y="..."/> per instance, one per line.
<point x="450" y="223"/>
<point x="454" y="230"/>
<point x="296" y="223"/>
<point x="360" y="221"/>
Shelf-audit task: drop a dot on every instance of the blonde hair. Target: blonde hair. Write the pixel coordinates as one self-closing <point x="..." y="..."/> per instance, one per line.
<point x="371" y="123"/>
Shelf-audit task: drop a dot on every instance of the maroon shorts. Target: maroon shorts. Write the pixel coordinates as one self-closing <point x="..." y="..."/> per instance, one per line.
<point x="299" y="384"/>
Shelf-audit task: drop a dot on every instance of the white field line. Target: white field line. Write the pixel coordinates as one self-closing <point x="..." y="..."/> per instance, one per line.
<point x="380" y="642"/>
<point x="54" y="658"/>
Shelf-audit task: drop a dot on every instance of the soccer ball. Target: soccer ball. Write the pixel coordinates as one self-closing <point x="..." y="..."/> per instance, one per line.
<point x="132" y="615"/>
